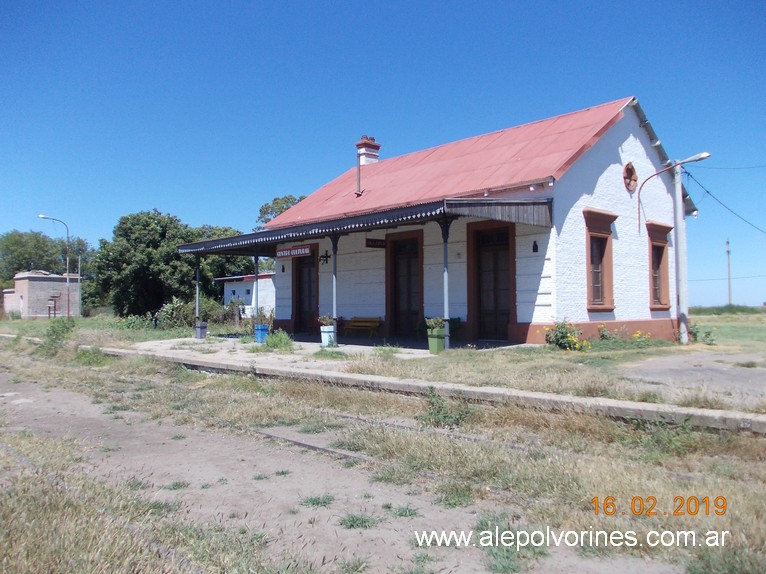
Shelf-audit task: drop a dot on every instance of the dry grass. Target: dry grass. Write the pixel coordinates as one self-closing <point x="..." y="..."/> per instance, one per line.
<point x="530" y="369"/>
<point x="57" y="519"/>
<point x="554" y="486"/>
<point x="562" y="461"/>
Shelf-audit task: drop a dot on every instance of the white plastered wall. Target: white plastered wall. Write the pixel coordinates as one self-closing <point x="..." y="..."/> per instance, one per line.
<point x="361" y="289"/>
<point x="596" y="181"/>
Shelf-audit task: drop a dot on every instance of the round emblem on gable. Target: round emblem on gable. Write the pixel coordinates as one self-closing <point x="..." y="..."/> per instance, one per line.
<point x="629" y="177"/>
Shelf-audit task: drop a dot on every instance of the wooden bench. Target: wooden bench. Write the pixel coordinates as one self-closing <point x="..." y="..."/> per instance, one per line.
<point x="370" y="324"/>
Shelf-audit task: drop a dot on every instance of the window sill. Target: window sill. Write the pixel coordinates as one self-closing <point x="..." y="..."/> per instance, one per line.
<point x="659" y="307"/>
<point x="601" y="308"/>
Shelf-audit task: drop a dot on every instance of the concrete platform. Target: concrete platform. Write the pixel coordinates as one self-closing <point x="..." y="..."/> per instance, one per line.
<point x="221" y="355"/>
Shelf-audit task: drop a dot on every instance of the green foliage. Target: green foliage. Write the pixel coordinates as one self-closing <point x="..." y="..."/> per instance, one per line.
<point x="141" y="269"/>
<point x="58" y="332"/>
<point x="435" y="322"/>
<point x="455" y="493"/>
<point x="727" y="310"/>
<point x="700" y="334"/>
<point x="324" y="501"/>
<point x="728" y="560"/>
<point x="92" y="357"/>
<point x="406" y="511"/>
<point x="565" y="335"/>
<point x="442" y="414"/>
<point x="25" y="251"/>
<point x="135" y="322"/>
<point x="279" y="341"/>
<point x="359" y="521"/>
<point x="506" y="558"/>
<point x="277" y="206"/>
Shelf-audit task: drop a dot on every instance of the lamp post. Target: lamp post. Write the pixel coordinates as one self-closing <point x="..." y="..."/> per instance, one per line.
<point x="680" y="240"/>
<point x="41" y="216"/>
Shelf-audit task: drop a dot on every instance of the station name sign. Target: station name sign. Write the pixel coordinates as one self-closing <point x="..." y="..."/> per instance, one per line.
<point x="375" y="243"/>
<point x="296" y="251"/>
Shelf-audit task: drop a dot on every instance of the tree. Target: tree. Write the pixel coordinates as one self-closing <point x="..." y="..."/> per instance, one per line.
<point x="276" y="206"/>
<point x="141" y="269"/>
<point x="268" y="212"/>
<point x="213" y="266"/>
<point x="25" y="251"/>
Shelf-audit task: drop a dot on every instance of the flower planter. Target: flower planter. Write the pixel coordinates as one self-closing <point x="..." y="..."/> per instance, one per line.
<point x="327" y="333"/>
<point x="261" y="331"/>
<point x="436" y="340"/>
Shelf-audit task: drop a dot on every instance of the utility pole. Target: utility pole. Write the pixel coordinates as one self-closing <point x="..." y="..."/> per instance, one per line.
<point x="728" y="266"/>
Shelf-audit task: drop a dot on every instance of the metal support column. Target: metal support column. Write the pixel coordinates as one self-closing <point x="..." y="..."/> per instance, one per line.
<point x="196" y="296"/>
<point x="255" y="300"/>
<point x="334" y="239"/>
<point x="445" y="223"/>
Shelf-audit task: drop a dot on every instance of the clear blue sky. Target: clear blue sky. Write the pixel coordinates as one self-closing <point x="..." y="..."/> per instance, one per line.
<point x="206" y="110"/>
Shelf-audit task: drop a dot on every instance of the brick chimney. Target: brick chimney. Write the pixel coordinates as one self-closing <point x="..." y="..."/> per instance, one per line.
<point x="367" y="150"/>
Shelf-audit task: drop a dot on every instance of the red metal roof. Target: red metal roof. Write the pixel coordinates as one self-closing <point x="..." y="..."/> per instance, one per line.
<point x="504" y="159"/>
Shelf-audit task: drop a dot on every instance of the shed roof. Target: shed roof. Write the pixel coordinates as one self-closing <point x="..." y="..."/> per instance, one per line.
<point x="506" y="159"/>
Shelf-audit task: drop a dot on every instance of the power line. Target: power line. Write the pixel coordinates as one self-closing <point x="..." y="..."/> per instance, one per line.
<point x="732" y="168"/>
<point x="726" y="278"/>
<point x="708" y="192"/>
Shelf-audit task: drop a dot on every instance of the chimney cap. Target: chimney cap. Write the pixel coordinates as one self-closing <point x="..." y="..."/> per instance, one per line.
<point x="367" y="142"/>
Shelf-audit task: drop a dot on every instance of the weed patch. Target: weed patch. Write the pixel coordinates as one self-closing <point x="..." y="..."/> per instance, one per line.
<point x="406" y="511"/>
<point x="453" y="494"/>
<point x="59" y="331"/>
<point x="502" y="558"/>
<point x="441" y="414"/>
<point x="92" y="357"/>
<point x="356" y="521"/>
<point x="318" y="501"/>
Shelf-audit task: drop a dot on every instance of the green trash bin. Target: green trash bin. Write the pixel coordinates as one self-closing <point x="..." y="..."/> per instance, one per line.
<point x="436" y="340"/>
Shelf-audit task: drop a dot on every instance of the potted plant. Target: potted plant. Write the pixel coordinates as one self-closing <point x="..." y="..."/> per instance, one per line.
<point x="261" y="325"/>
<point x="327" y="331"/>
<point x="436" y="334"/>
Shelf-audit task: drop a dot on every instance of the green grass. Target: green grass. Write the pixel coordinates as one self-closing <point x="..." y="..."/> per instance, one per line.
<point x="322" y="501"/>
<point x="406" y="511"/>
<point x="726" y="310"/>
<point x="394" y="474"/>
<point x="503" y="558"/>
<point x="359" y="521"/>
<point x="137" y="484"/>
<point x="453" y="494"/>
<point x="178" y="485"/>
<point x="320" y="424"/>
<point x="352" y="566"/>
<point x="325" y="353"/>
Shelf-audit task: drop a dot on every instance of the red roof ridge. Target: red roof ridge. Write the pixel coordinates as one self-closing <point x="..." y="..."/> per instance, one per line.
<point x="503" y="159"/>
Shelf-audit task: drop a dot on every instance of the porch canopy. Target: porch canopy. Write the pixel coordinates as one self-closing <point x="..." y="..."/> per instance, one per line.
<point x="263" y="243"/>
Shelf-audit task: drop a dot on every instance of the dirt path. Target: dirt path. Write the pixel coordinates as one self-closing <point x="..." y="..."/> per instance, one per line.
<point x="258" y="483"/>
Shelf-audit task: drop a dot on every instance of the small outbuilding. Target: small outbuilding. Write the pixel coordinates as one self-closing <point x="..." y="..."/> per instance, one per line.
<point x="254" y="294"/>
<point x="43" y="294"/>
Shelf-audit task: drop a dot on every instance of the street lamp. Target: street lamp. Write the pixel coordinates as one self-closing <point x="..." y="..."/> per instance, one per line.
<point x="680" y="240"/>
<point x="41" y="216"/>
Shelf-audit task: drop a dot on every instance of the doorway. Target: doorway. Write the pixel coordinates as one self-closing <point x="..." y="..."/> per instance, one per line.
<point x="405" y="284"/>
<point x="493" y="296"/>
<point x="305" y="294"/>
